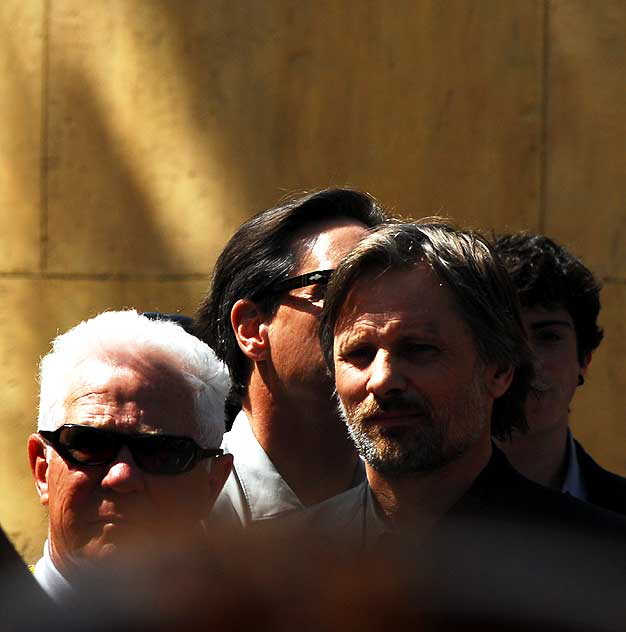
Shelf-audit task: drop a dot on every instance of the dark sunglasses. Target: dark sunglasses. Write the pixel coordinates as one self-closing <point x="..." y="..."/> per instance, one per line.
<point x="156" y="454"/>
<point x="321" y="277"/>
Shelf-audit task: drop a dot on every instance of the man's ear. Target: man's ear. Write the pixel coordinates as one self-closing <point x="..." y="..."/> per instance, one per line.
<point x="498" y="380"/>
<point x="221" y="467"/>
<point x="250" y="329"/>
<point x="39" y="465"/>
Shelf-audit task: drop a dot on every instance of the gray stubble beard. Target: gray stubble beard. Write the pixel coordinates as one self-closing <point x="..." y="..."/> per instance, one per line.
<point x="425" y="446"/>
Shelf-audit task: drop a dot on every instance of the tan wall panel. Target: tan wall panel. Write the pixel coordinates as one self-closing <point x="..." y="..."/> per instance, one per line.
<point x="21" y="63"/>
<point x="133" y="177"/>
<point x="598" y="408"/>
<point x="586" y="135"/>
<point x="169" y="122"/>
<point x="31" y="314"/>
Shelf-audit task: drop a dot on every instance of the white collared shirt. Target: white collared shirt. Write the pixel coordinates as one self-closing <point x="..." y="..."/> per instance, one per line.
<point x="50" y="578"/>
<point x="255" y="490"/>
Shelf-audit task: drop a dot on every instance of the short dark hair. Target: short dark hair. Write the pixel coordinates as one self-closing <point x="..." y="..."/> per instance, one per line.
<point x="547" y="275"/>
<point x="180" y="319"/>
<point x="259" y="254"/>
<point x="484" y="296"/>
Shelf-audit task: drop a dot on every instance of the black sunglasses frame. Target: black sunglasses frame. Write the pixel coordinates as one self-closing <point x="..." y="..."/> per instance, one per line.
<point x="303" y="280"/>
<point x="134" y="443"/>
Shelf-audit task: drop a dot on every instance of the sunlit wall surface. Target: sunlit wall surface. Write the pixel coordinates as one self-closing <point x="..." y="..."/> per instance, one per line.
<point x="137" y="134"/>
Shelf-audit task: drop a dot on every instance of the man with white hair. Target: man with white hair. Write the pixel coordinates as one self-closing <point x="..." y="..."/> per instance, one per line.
<point x="126" y="455"/>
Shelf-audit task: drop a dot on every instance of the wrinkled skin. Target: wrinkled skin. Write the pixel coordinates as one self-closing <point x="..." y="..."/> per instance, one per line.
<point x="412" y="387"/>
<point x="104" y="512"/>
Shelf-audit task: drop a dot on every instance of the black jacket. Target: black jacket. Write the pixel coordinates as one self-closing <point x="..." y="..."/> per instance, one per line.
<point x="604" y="489"/>
<point x="510" y="551"/>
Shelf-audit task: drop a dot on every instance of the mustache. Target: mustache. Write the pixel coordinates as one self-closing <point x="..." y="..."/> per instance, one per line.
<point x="375" y="406"/>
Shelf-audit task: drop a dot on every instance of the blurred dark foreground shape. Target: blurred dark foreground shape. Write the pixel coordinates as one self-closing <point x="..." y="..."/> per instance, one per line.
<point x="23" y="605"/>
<point x="273" y="580"/>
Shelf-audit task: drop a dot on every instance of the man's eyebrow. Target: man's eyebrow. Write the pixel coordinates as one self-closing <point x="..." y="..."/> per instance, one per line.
<point x="540" y="324"/>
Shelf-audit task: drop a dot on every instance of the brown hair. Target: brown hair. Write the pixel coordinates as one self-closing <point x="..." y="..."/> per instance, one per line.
<point x="483" y="292"/>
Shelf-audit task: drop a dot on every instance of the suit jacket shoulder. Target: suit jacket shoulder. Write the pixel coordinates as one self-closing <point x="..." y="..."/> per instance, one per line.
<point x="605" y="489"/>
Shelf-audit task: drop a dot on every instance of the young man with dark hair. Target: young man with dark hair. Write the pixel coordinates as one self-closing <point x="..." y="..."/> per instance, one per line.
<point x="261" y="318"/>
<point x="560" y="300"/>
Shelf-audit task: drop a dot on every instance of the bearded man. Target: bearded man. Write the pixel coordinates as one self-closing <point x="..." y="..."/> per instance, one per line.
<point x="423" y="333"/>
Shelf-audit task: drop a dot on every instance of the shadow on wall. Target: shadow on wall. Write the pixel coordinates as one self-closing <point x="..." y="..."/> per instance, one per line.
<point x="95" y="196"/>
<point x="169" y="123"/>
<point x="285" y="90"/>
<point x="20" y="105"/>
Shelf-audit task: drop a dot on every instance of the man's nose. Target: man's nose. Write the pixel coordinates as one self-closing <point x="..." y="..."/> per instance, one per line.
<point x="386" y="377"/>
<point x="123" y="475"/>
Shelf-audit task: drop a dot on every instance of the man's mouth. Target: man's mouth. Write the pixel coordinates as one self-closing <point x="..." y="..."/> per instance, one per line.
<point x="111" y="516"/>
<point x="539" y="394"/>
<point x="394" y="418"/>
<point x="111" y="520"/>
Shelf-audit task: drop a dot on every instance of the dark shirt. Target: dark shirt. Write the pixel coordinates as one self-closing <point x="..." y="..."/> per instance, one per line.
<point x="508" y="550"/>
<point x="602" y="488"/>
<point x="23" y="605"/>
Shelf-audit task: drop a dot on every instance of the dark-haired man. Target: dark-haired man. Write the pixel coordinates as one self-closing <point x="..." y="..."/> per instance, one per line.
<point x="422" y="329"/>
<point x="261" y="318"/>
<point x="560" y="300"/>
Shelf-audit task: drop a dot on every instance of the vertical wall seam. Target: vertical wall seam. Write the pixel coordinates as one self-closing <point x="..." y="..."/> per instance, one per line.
<point x="43" y="165"/>
<point x="545" y="94"/>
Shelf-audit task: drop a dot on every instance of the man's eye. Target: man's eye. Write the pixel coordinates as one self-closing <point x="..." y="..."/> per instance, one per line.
<point x="358" y="356"/>
<point x="318" y="292"/>
<point x="419" y="349"/>
<point x="548" y="336"/>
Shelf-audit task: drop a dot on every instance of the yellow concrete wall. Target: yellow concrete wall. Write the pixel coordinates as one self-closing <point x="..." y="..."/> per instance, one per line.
<point x="585" y="193"/>
<point x="137" y="134"/>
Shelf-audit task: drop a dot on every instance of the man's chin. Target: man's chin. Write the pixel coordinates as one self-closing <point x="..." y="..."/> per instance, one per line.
<point x="118" y="543"/>
<point x="390" y="454"/>
<point x="408" y="465"/>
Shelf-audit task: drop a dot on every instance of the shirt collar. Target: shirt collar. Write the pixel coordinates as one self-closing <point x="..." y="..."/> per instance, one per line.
<point x="573" y="482"/>
<point x="494" y="475"/>
<point x="266" y="492"/>
<point x="374" y="526"/>
<point x="50" y="579"/>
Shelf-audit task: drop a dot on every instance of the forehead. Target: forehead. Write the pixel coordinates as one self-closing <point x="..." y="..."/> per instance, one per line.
<point x="139" y="396"/>
<point x="415" y="298"/>
<point x="537" y="314"/>
<point x="322" y="246"/>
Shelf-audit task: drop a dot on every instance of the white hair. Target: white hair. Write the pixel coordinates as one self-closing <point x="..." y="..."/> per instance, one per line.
<point x="111" y="334"/>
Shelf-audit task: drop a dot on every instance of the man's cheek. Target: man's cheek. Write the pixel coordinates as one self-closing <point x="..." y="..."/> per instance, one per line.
<point x="348" y="392"/>
<point x="76" y="501"/>
<point x="184" y="500"/>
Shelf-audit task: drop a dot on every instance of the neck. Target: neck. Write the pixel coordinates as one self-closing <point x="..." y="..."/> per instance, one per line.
<point x="416" y="502"/>
<point x="539" y="456"/>
<point x="306" y="441"/>
<point x="56" y="559"/>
